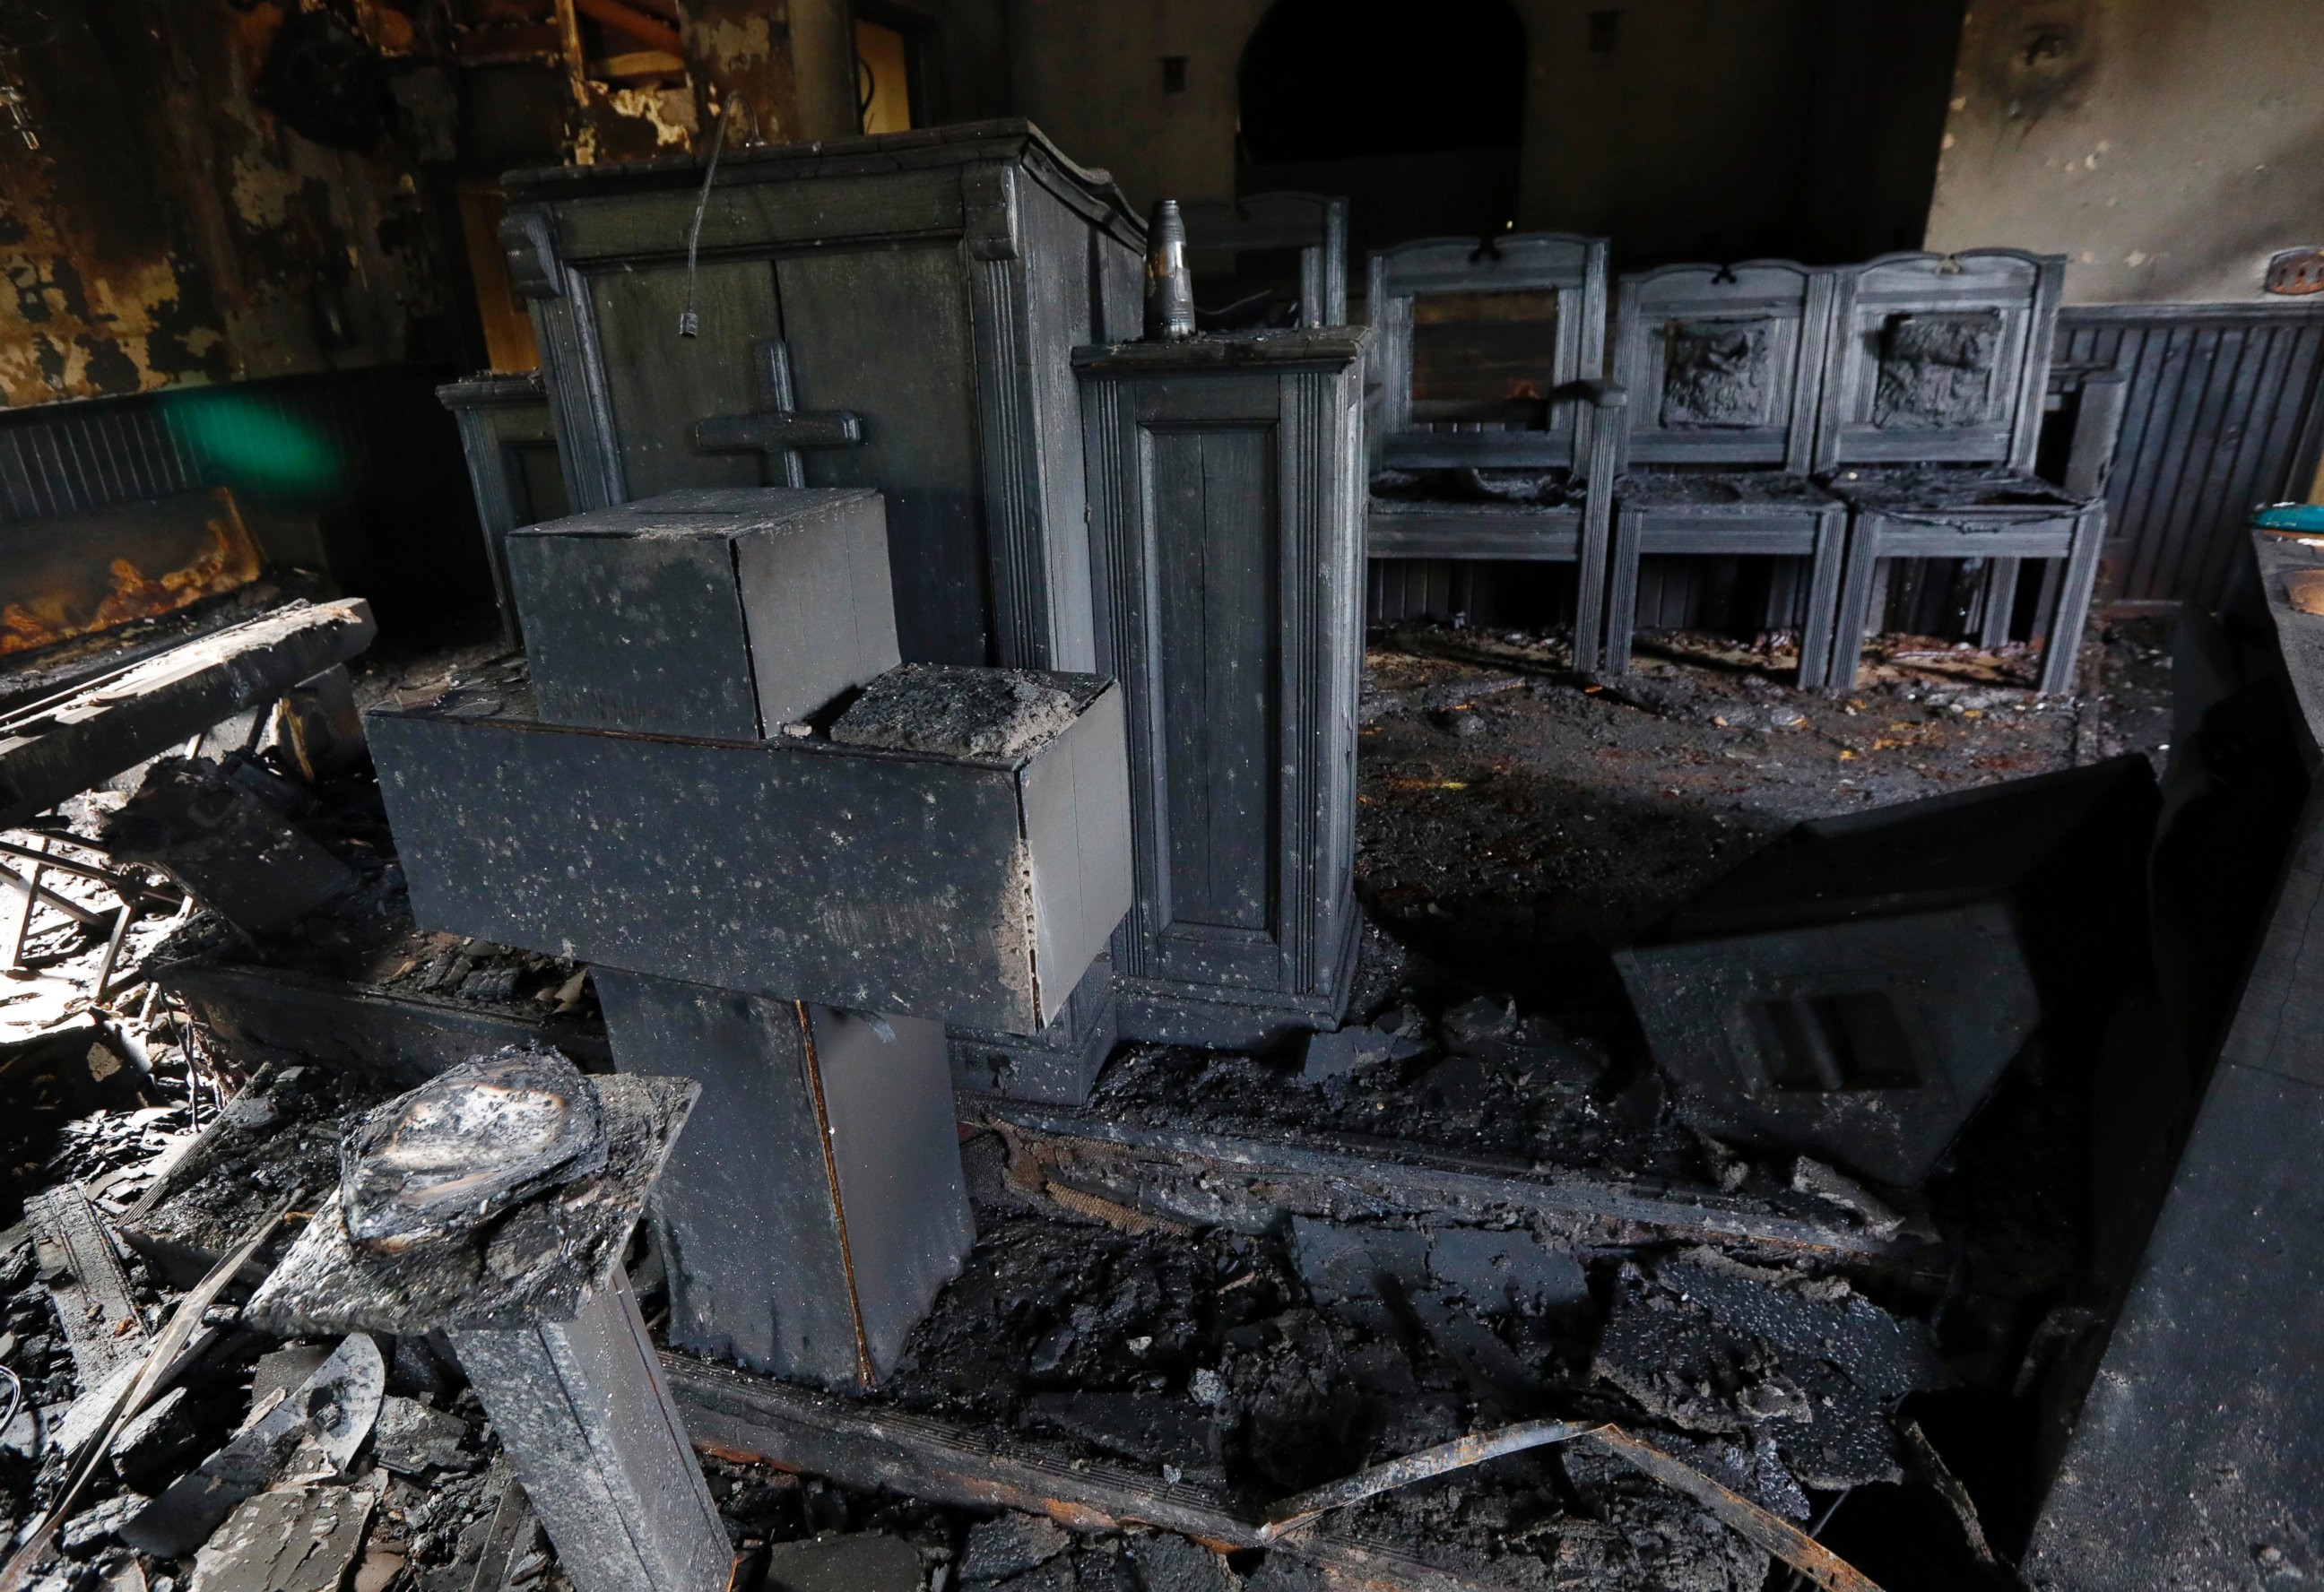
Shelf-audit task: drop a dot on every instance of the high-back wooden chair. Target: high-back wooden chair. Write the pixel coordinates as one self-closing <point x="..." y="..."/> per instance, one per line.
<point x="1314" y="225"/>
<point x="1725" y="367"/>
<point x="1931" y="419"/>
<point x="1493" y="432"/>
<point x="1941" y="359"/>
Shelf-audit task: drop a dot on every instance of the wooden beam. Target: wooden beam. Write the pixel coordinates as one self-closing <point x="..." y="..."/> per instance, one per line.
<point x="653" y="34"/>
<point x="735" y="1414"/>
<point x="407" y="1038"/>
<point x="60" y="747"/>
<point x="1139" y="1164"/>
<point x="86" y="1283"/>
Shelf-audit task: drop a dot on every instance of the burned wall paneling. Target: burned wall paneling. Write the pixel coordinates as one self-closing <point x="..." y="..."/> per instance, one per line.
<point x="2222" y="412"/>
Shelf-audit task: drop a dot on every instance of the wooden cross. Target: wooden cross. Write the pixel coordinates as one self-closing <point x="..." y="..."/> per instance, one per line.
<point x="782" y="428"/>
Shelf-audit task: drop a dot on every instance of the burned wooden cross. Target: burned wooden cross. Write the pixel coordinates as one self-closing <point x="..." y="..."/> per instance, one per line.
<point x="790" y="861"/>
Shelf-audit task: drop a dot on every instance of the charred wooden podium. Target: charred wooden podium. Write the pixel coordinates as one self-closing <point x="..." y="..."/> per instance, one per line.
<point x="791" y="862"/>
<point x="892" y="312"/>
<point x="1226" y="483"/>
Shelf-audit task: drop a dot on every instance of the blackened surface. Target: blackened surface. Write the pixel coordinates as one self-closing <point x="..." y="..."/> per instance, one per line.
<point x="914" y="906"/>
<point x="538" y="1263"/>
<point x="1718" y="375"/>
<point x="1937" y="370"/>
<point x="234" y="851"/>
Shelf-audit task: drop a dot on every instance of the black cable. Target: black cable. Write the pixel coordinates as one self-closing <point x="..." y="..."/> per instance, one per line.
<point x="688" y="323"/>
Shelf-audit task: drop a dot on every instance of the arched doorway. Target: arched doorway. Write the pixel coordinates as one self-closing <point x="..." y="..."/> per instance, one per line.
<point x="1415" y="114"/>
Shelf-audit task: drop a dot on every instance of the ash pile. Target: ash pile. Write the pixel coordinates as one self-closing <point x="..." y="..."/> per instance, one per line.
<point x="1728" y="1337"/>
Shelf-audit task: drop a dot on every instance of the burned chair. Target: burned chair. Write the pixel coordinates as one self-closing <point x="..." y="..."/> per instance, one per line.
<point x="1493" y="435"/>
<point x="1313" y="225"/>
<point x="1724" y="365"/>
<point x="509" y="440"/>
<point x="1930" y="418"/>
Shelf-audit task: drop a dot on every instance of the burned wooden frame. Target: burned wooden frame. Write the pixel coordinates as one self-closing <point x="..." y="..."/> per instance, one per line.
<point x="505" y="421"/>
<point x="1577" y="443"/>
<point x="1316" y="225"/>
<point x="1725" y="369"/>
<point x="1931" y="421"/>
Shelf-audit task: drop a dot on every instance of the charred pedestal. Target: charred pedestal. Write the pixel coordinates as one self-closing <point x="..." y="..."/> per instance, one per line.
<point x="1856" y="988"/>
<point x="1225" y="485"/>
<point x="494" y="1203"/>
<point x="760" y="830"/>
<point x="708" y="612"/>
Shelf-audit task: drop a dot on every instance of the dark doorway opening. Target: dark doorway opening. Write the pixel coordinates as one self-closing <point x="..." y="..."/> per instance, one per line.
<point x="1416" y="122"/>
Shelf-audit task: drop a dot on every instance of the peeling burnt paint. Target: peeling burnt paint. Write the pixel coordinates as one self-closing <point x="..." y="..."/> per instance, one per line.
<point x="99" y="298"/>
<point x="630" y="124"/>
<point x="169" y="231"/>
<point x="740" y="56"/>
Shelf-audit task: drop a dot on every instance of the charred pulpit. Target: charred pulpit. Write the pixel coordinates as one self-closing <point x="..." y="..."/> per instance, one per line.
<point x="1226" y="485"/>
<point x="891" y="312"/>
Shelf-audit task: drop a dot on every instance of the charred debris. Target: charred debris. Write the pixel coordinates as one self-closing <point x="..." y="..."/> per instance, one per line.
<point x="1602" y="1326"/>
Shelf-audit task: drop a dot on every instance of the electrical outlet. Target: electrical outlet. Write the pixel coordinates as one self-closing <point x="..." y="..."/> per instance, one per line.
<point x="2296" y="271"/>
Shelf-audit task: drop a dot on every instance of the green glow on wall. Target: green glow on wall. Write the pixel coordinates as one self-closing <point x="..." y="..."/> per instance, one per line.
<point x="249" y="443"/>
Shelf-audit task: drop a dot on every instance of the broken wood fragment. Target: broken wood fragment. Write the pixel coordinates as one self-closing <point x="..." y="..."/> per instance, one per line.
<point x="1759" y="1526"/>
<point x="738" y="1413"/>
<point x="1269" y="1178"/>
<point x="1407" y="1469"/>
<point x="171" y="1350"/>
<point x="407" y="1038"/>
<point x="32" y="889"/>
<point x="60" y="746"/>
<point x="225" y="843"/>
<point x="299" y="1539"/>
<point x="87" y="1283"/>
<point x="332" y="1411"/>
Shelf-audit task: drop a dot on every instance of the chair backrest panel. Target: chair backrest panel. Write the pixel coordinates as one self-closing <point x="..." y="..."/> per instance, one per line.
<point x="1315" y="224"/>
<point x="1477" y="345"/>
<point x="1724" y="364"/>
<point x="1941" y="359"/>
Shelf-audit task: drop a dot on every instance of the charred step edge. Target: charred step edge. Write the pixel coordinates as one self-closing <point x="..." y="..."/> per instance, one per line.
<point x="405" y="1038"/>
<point x="737" y="1414"/>
<point x="1319" y="1178"/>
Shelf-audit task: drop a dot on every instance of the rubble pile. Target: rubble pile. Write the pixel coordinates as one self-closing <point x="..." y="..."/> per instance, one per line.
<point x="1867" y="1363"/>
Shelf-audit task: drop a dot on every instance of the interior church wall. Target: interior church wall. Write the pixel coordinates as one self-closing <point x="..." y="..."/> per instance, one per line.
<point x="2168" y="149"/>
<point x="1091" y="76"/>
<point x="1685" y="128"/>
